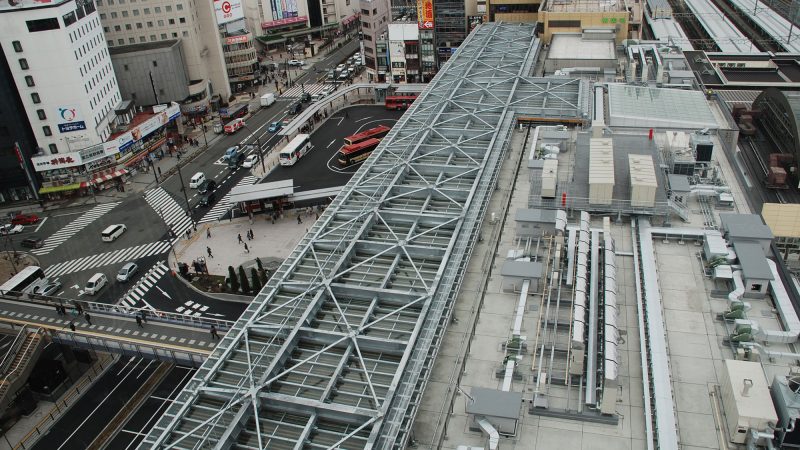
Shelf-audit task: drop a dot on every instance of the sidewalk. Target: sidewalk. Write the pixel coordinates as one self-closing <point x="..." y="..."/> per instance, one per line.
<point x="273" y="242"/>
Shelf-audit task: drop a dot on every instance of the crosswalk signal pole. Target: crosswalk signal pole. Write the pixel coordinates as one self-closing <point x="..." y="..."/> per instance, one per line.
<point x="183" y="189"/>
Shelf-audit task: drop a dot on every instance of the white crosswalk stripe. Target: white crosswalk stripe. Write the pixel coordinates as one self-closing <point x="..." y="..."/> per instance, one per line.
<point x="224" y="204"/>
<point x="136" y="293"/>
<point x="107" y="258"/>
<point x="298" y="90"/>
<point x="169" y="210"/>
<point x="73" y="227"/>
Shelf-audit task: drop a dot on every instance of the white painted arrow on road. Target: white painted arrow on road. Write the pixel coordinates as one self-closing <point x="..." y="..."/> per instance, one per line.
<point x="215" y="314"/>
<point x="165" y="294"/>
<point x="341" y="119"/>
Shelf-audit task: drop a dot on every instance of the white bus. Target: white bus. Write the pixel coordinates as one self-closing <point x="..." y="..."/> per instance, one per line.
<point x="21" y="280"/>
<point x="294" y="150"/>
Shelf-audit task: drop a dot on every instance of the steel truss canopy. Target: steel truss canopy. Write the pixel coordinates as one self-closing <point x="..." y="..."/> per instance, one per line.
<point x="336" y="349"/>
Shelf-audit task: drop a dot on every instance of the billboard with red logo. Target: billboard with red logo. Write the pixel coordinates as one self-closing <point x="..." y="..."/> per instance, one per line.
<point x="425" y="14"/>
<point x="228" y="10"/>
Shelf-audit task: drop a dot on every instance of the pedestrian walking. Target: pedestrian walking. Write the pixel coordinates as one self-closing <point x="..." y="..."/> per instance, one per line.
<point x="208" y="249"/>
<point x="188" y="234"/>
<point x="58" y="310"/>
<point x="88" y="318"/>
<point x="79" y="308"/>
<point x="139" y="321"/>
<point x="245" y="248"/>
<point x="159" y="171"/>
<point x="247" y="235"/>
<point x="208" y="233"/>
<point x="72" y="326"/>
<point x="252" y="235"/>
<point x="239" y="236"/>
<point x="144" y="315"/>
<point x="214" y="334"/>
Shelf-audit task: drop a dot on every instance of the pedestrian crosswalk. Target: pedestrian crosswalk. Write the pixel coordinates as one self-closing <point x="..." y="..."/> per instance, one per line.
<point x="169" y="210"/>
<point x="135" y="294"/>
<point x="73" y="227"/>
<point x="191" y="308"/>
<point x="297" y="91"/>
<point x="224" y="204"/>
<point x="107" y="258"/>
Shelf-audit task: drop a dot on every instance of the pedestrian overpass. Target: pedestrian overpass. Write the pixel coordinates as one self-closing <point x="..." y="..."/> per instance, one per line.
<point x="336" y="350"/>
<point x="166" y="336"/>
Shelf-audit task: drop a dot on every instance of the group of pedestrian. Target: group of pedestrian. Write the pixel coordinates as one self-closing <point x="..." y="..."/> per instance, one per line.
<point x="77" y="311"/>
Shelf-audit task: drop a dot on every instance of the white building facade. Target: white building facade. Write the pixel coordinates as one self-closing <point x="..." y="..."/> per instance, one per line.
<point x="60" y="64"/>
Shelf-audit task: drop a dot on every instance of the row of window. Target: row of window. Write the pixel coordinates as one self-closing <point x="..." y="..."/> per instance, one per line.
<point x="136" y="13"/>
<point x="140" y="25"/>
<point x="84" y="49"/>
<point x="179" y="6"/>
<point x="153" y="38"/>
<point x="83" y="30"/>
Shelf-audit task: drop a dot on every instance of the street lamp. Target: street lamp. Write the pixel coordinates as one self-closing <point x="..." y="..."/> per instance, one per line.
<point x="183" y="189"/>
<point x="260" y="153"/>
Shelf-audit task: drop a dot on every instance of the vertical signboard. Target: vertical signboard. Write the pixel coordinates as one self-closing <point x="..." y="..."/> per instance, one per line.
<point x="425" y="14"/>
<point x="228" y="11"/>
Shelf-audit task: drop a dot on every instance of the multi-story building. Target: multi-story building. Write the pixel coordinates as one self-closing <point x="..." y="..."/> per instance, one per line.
<point x="449" y="26"/>
<point x="60" y="64"/>
<point x="133" y="65"/>
<point x="374" y="24"/>
<point x="574" y="16"/>
<point x="128" y="22"/>
<point x="241" y="58"/>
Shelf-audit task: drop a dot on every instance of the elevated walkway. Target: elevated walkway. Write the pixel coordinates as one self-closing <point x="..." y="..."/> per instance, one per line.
<point x="171" y="337"/>
<point x="15" y="366"/>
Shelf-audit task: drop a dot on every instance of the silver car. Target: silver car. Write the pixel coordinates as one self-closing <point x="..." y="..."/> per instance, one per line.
<point x="126" y="272"/>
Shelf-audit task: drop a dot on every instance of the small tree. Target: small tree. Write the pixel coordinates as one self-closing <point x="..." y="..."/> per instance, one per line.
<point x="232" y="279"/>
<point x="243" y="281"/>
<point x="256" y="282"/>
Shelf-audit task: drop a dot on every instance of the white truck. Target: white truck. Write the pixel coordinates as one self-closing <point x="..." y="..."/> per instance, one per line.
<point x="267" y="100"/>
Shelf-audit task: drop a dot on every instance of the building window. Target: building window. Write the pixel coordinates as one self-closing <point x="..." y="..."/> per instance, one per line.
<point x="41" y="114"/>
<point x="135" y="12"/>
<point x="106" y="30"/>
<point x="17" y="46"/>
<point x="42" y="24"/>
<point x="47" y="131"/>
<point x="174" y="35"/>
<point x="121" y="41"/>
<point x="163" y="36"/>
<point x="564" y="23"/>
<point x="23" y="64"/>
<point x="138" y="25"/>
<point x="113" y="15"/>
<point x="125" y="67"/>
<point x="147" y="10"/>
<point x="124" y="13"/>
<point x="69" y="18"/>
<point x="102" y="16"/>
<point x="128" y="26"/>
<point x="29" y="81"/>
<point x="179" y="7"/>
<point x="155" y="63"/>
<point x="53" y="149"/>
<point x="152" y="37"/>
<point x="142" y="39"/>
<point x="172" y="21"/>
<point x="168" y="8"/>
<point x="365" y="24"/>
<point x="117" y="28"/>
<point x="365" y="12"/>
<point x="110" y="43"/>
<point x="157" y="10"/>
<point x="185" y="33"/>
<point x="149" y="24"/>
<point x="182" y="20"/>
<point x="35" y="97"/>
<point x="131" y="41"/>
<point x="161" y="23"/>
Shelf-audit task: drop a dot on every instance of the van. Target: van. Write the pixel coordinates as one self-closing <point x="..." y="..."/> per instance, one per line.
<point x="234" y="125"/>
<point x="196" y="180"/>
<point x="267" y="99"/>
<point x="95" y="283"/>
<point x="111" y="233"/>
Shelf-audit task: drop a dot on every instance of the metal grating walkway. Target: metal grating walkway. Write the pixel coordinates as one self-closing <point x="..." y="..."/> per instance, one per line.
<point x="336" y="349"/>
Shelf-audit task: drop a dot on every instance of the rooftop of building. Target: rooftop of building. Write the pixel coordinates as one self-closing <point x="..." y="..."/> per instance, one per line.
<point x="143" y="47"/>
<point x="19" y="5"/>
<point x="574" y="46"/>
<point x="584" y="6"/>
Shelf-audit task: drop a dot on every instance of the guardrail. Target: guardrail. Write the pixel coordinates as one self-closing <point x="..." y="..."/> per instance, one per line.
<point x="8" y="358"/>
<point x="126" y="311"/>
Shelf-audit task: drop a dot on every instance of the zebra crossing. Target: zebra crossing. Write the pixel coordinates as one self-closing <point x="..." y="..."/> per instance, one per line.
<point x="297" y="91"/>
<point x="73" y="227"/>
<point x="224" y="204"/>
<point x="169" y="210"/>
<point x="136" y="293"/>
<point x="107" y="258"/>
<point x="191" y="308"/>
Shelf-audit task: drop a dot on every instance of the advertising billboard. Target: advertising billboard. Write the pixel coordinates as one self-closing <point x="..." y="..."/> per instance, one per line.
<point x="69" y="119"/>
<point x="425" y="14"/>
<point x="283" y="9"/>
<point x="128" y="138"/>
<point x="228" y="11"/>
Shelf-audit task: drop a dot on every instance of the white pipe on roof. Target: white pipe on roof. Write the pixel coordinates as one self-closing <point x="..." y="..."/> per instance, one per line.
<point x="785" y="309"/>
<point x="508" y="377"/>
<point x="488" y="428"/>
<point x="523" y="299"/>
<point x="570" y="255"/>
<point x="736" y="294"/>
<point x="610" y="312"/>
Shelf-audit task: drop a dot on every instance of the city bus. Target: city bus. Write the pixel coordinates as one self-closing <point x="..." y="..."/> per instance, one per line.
<point x="355" y="153"/>
<point x="373" y="133"/>
<point x="21" y="280"/>
<point x="295" y="149"/>
<point x="399" y="102"/>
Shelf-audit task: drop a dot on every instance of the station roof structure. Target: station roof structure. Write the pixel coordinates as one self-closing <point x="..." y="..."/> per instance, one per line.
<point x="336" y="350"/>
<point x="645" y="107"/>
<point x="781" y="111"/>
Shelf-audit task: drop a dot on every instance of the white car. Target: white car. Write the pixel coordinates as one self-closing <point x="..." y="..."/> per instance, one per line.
<point x="11" y="229"/>
<point x="296" y="63"/>
<point x="250" y="161"/>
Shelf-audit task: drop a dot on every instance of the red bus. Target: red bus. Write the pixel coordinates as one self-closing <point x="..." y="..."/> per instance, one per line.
<point x="377" y="133"/>
<point x="355" y="153"/>
<point x="399" y="102"/>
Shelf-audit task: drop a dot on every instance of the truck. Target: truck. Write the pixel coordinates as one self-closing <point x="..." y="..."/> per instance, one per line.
<point x="234" y="125"/>
<point x="218" y="128"/>
<point x="267" y="100"/>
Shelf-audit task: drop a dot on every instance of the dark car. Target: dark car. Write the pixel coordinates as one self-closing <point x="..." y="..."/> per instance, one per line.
<point x="296" y="108"/>
<point x="32" y="242"/>
<point x="305" y="98"/>
<point x="208" y="199"/>
<point x="236" y="161"/>
<point x="24" y="219"/>
<point x="206" y="186"/>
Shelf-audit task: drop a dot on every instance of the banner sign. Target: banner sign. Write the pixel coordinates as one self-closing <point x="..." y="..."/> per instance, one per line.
<point x="425" y="14"/>
<point x="69" y="119"/>
<point x="128" y="138"/>
<point x="228" y="10"/>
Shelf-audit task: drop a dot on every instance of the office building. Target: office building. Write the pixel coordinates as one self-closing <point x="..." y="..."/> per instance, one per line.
<point x="575" y="16"/>
<point x="374" y="25"/>
<point x="138" y="82"/>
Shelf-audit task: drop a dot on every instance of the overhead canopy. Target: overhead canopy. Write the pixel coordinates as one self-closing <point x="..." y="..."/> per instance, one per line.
<point x="643" y="107"/>
<point x="262" y="191"/>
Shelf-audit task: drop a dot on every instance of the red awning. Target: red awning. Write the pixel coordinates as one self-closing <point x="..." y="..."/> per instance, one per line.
<point x="106" y="177"/>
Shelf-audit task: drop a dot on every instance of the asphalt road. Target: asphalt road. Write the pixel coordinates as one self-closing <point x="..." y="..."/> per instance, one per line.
<point x="319" y="169"/>
<point x="140" y="423"/>
<point x="96" y="407"/>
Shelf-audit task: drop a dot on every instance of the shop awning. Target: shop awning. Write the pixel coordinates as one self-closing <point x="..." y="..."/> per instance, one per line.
<point x="64" y="187"/>
<point x="106" y="177"/>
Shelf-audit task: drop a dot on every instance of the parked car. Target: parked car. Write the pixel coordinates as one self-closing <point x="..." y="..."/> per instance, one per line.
<point x="344" y="75"/>
<point x="274" y="127"/>
<point x="24" y="219"/>
<point x="32" y="242"/>
<point x="208" y="199"/>
<point x="296" y="108"/>
<point x="127" y="271"/>
<point x="250" y="161"/>
<point x="296" y="63"/>
<point x="206" y="186"/>
<point x="230" y="152"/>
<point x="196" y="180"/>
<point x="47" y="288"/>
<point x="340" y="67"/>
<point x="95" y="283"/>
<point x="317" y="97"/>
<point x="11" y="229"/>
<point x="235" y="161"/>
